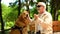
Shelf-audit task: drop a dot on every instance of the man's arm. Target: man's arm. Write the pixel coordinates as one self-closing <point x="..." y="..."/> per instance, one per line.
<point x="46" y="22"/>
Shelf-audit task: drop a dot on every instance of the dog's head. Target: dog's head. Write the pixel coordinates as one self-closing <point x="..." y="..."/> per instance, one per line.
<point x="23" y="19"/>
<point x="24" y="15"/>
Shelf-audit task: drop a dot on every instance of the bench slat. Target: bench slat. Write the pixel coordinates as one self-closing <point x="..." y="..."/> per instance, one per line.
<point x="56" y="26"/>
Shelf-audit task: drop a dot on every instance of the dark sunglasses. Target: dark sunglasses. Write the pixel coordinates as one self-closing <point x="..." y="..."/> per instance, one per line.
<point x="38" y="5"/>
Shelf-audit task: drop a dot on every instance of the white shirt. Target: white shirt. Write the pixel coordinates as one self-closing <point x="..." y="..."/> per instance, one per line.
<point x="44" y="22"/>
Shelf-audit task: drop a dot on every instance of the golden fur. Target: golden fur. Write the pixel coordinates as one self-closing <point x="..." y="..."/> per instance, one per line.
<point x="23" y="20"/>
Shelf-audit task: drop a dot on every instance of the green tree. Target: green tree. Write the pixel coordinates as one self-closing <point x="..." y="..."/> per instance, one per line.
<point x="16" y="6"/>
<point x="19" y="7"/>
<point x="55" y="6"/>
<point x="2" y="23"/>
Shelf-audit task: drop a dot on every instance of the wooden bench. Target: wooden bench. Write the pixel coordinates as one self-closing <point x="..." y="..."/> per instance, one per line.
<point x="56" y="26"/>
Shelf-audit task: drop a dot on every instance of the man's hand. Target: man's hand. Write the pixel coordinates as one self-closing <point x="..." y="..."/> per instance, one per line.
<point x="39" y="20"/>
<point x="36" y="16"/>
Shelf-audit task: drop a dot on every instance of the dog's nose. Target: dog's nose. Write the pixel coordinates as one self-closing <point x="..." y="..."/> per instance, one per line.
<point x="27" y="15"/>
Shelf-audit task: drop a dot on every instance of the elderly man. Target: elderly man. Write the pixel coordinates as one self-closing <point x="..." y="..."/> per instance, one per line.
<point x="43" y="21"/>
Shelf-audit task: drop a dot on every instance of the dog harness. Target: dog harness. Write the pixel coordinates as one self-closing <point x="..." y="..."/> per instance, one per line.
<point x="19" y="28"/>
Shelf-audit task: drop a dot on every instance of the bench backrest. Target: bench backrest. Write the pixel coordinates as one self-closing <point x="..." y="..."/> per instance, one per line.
<point x="56" y="26"/>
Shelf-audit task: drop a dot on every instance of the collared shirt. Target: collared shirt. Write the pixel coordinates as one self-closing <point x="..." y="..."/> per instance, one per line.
<point x="44" y="22"/>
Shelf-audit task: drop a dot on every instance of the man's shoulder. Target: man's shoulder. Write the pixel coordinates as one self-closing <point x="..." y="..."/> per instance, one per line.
<point x="47" y="13"/>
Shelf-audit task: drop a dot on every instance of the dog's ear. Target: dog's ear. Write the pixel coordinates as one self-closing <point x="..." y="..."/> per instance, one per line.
<point x="20" y="17"/>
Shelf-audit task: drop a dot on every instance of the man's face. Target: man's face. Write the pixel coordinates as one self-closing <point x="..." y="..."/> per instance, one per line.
<point x="40" y="8"/>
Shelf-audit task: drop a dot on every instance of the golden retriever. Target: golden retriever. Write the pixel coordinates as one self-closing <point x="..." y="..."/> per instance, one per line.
<point x="21" y="24"/>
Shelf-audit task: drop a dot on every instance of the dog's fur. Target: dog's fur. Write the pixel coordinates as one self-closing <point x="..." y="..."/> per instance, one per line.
<point x="22" y="21"/>
<point x="32" y="26"/>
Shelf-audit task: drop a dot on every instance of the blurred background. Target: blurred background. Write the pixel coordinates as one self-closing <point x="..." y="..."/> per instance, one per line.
<point x="11" y="9"/>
